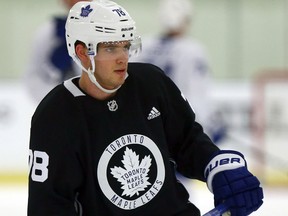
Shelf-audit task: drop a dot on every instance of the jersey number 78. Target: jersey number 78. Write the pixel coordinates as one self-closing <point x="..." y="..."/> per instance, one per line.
<point x="38" y="165"/>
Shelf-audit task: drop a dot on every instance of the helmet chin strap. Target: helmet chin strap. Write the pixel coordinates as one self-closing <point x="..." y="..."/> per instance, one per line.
<point x="92" y="78"/>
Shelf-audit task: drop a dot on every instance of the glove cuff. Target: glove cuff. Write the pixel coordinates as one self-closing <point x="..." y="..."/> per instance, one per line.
<point x="223" y="160"/>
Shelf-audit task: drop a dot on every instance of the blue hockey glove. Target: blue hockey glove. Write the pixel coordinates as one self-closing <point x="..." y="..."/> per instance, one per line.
<point x="231" y="183"/>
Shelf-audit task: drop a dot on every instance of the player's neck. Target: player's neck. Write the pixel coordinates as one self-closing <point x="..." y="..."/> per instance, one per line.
<point x="91" y="89"/>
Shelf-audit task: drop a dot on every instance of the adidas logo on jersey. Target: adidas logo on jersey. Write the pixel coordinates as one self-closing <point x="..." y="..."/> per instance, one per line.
<point x="153" y="114"/>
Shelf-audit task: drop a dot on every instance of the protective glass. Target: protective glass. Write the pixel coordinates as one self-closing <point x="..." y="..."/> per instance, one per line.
<point x="118" y="49"/>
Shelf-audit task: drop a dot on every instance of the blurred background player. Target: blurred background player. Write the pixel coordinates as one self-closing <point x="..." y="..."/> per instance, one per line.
<point x="184" y="60"/>
<point x="50" y="64"/>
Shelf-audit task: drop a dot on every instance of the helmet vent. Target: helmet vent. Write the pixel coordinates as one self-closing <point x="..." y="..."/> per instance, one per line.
<point x="72" y="17"/>
<point x="124" y="20"/>
<point x="105" y="29"/>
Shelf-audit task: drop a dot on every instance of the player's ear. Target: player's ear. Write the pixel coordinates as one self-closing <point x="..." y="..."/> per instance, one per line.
<point x="81" y="52"/>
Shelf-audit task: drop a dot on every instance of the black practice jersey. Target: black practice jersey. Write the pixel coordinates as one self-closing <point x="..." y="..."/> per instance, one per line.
<point x="117" y="156"/>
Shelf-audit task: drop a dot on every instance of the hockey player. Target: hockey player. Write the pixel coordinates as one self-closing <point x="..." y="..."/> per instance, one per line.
<point x="109" y="142"/>
<point x="184" y="60"/>
<point x="50" y="63"/>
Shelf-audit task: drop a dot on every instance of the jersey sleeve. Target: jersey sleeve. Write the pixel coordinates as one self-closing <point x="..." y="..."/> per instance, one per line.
<point x="55" y="169"/>
<point x="189" y="146"/>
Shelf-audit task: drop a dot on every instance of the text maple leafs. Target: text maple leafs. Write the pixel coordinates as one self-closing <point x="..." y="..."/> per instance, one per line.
<point x="133" y="176"/>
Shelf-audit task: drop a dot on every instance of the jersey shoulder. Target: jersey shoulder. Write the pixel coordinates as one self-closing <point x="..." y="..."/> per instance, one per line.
<point x="146" y="72"/>
<point x="151" y="79"/>
<point x="58" y="103"/>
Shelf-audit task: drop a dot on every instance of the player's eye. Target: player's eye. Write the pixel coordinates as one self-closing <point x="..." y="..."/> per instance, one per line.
<point x="110" y="49"/>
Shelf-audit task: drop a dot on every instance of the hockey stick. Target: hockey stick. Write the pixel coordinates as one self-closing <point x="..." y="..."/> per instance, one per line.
<point x="220" y="210"/>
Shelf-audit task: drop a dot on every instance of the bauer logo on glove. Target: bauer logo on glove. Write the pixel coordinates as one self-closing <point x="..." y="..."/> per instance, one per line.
<point x="231" y="183"/>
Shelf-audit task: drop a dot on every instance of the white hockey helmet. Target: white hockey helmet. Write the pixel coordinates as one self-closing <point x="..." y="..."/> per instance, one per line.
<point x="174" y="13"/>
<point x="99" y="21"/>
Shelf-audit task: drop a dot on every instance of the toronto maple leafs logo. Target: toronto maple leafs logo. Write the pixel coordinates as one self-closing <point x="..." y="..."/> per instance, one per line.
<point x="134" y="176"/>
<point x="131" y="171"/>
<point x="85" y="11"/>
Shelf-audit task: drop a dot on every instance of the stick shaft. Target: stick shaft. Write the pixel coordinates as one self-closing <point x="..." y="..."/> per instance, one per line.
<point x="219" y="210"/>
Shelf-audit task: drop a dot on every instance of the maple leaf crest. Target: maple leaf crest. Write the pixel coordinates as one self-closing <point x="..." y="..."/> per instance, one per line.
<point x="133" y="177"/>
<point x="85" y="11"/>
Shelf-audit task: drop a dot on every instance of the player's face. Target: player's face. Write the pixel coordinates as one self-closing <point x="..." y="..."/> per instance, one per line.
<point x="111" y="64"/>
